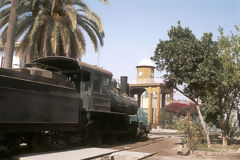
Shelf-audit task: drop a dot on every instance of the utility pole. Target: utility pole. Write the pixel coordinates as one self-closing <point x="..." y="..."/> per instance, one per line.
<point x="12" y="25"/>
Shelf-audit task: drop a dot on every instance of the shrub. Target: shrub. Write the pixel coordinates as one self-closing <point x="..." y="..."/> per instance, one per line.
<point x="192" y="132"/>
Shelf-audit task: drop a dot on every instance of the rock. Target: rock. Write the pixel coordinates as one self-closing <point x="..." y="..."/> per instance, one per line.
<point x="186" y="151"/>
<point x="183" y="151"/>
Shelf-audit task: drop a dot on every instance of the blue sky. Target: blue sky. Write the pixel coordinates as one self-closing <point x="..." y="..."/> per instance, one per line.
<point x="133" y="27"/>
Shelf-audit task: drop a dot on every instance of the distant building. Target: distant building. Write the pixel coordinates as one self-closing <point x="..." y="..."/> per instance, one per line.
<point x="15" y="58"/>
<point x="151" y="93"/>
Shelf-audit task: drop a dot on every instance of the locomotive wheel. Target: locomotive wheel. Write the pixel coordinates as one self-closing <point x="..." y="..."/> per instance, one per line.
<point x="38" y="142"/>
<point x="12" y="145"/>
<point x="109" y="134"/>
<point x="73" y="138"/>
<point x="93" y="135"/>
<point x="57" y="140"/>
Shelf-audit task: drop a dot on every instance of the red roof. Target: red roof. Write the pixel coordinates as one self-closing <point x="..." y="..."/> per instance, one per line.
<point x="180" y="108"/>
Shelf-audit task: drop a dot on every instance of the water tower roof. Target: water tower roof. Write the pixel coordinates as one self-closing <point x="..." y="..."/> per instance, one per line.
<point x="146" y="63"/>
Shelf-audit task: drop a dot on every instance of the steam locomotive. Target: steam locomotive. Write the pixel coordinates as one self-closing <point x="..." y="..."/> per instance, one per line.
<point x="56" y="98"/>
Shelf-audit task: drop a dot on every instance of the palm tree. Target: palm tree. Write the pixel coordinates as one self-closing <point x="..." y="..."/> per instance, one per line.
<point x="9" y="47"/>
<point x="52" y="28"/>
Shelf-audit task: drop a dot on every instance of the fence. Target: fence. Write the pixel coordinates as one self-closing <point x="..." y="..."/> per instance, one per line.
<point x="146" y="80"/>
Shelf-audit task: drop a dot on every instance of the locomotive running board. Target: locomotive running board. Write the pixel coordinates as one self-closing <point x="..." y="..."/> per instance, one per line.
<point x="109" y="112"/>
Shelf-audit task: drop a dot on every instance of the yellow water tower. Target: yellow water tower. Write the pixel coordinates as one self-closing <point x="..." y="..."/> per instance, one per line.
<point x="154" y="87"/>
<point x="145" y="71"/>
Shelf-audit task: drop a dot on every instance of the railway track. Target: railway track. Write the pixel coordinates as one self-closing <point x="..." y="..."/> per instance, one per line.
<point x="104" y="152"/>
<point x="130" y="152"/>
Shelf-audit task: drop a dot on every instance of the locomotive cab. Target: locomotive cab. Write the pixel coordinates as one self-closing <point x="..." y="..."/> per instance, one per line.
<point x="95" y="88"/>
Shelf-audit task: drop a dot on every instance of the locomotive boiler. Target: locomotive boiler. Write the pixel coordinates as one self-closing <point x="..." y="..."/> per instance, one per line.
<point x="56" y="98"/>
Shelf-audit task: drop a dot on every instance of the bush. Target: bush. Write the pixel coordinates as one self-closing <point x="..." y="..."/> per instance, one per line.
<point x="167" y="119"/>
<point x="192" y="132"/>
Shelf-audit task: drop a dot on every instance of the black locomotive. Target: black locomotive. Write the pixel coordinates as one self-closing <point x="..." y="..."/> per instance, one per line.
<point x="56" y="98"/>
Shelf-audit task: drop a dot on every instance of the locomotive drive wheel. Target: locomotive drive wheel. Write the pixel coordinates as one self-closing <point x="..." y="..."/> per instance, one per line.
<point x="11" y="145"/>
<point x="109" y="134"/>
<point x="38" y="142"/>
<point x="93" y="135"/>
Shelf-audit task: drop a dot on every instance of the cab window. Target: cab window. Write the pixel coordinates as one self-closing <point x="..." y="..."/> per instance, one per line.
<point x="76" y="79"/>
<point x="86" y="81"/>
<point x="97" y="81"/>
<point x="106" y="85"/>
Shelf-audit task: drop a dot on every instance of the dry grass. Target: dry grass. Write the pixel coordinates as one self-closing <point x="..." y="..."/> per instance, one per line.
<point x="216" y="145"/>
<point x="219" y="148"/>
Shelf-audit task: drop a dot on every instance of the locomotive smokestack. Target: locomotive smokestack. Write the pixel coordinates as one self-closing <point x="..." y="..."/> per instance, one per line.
<point x="124" y="85"/>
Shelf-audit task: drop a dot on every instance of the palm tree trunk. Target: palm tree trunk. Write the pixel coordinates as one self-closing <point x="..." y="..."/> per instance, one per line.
<point x="9" y="47"/>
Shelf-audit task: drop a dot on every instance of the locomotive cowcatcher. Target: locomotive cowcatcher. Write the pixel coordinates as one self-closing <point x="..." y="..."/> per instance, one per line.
<point x="58" y="99"/>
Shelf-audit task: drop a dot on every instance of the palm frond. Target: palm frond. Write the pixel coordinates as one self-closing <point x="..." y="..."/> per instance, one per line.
<point x="4" y="21"/>
<point x="84" y="21"/>
<point x="23" y="9"/>
<point x="60" y="49"/>
<point x="49" y="30"/>
<point x="81" y="43"/>
<point x="55" y="37"/>
<point x="74" y="46"/>
<point x="36" y="47"/>
<point x="104" y="1"/>
<point x="65" y="36"/>
<point x="39" y="21"/>
<point x="94" y="17"/>
<point x="91" y="16"/>
<point x="46" y="41"/>
<point x="4" y="35"/>
<point x="4" y="3"/>
<point x="52" y="6"/>
<point x="23" y="24"/>
<point x="72" y="15"/>
<point x="41" y="41"/>
<point x="21" y="51"/>
<point x="92" y="32"/>
<point x="31" y="53"/>
<point x="5" y="12"/>
<point x="81" y="38"/>
<point x="79" y="3"/>
<point x="92" y="36"/>
<point x="34" y="2"/>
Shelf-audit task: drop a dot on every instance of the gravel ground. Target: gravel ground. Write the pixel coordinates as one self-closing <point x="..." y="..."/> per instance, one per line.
<point x="164" y="145"/>
<point x="167" y="148"/>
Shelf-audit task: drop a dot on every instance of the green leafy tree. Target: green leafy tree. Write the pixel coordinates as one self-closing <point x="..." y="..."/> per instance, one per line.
<point x="219" y="104"/>
<point x="208" y="70"/>
<point x="52" y="27"/>
<point x="187" y="61"/>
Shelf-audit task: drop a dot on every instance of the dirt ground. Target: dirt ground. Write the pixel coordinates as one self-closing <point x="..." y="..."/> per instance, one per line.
<point x="166" y="148"/>
<point x="162" y="145"/>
